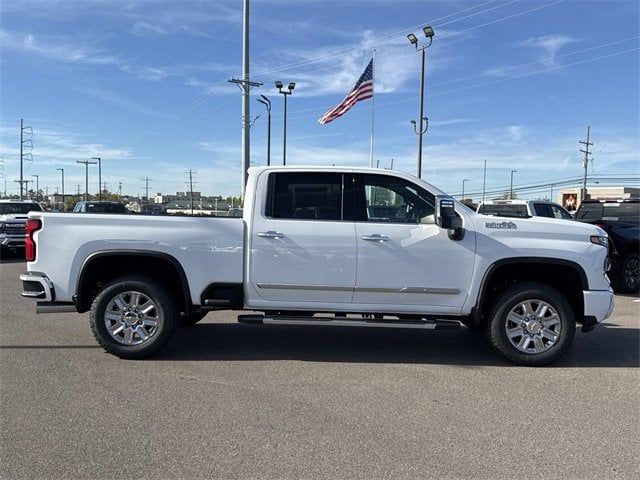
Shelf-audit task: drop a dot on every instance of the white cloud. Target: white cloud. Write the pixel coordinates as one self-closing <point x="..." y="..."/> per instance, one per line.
<point x="549" y="46"/>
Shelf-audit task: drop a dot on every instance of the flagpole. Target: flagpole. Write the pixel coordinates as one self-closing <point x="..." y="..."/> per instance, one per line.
<point x="373" y="105"/>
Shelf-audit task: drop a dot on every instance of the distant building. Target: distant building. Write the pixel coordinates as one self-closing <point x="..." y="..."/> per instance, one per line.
<point x="187" y="195"/>
<point x="570" y="198"/>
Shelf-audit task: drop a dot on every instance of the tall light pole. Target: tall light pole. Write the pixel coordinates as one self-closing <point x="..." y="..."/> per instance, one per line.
<point x="62" y="171"/>
<point x="99" y="177"/>
<point x="285" y="93"/>
<point x="511" y="185"/>
<point x="37" y="177"/>
<point x="267" y="103"/>
<point x="418" y="126"/>
<point x="86" y="164"/>
<point x="463" y="182"/>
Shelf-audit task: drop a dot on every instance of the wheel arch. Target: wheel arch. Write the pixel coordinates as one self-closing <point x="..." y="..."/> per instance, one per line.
<point x="103" y="266"/>
<point x="566" y="276"/>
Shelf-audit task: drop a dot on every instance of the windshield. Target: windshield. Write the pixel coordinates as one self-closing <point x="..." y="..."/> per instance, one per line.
<point x="628" y="212"/>
<point x="18" y="208"/>
<point x="504" y="210"/>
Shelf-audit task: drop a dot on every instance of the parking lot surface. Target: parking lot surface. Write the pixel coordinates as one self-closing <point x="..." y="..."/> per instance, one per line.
<point x="226" y="400"/>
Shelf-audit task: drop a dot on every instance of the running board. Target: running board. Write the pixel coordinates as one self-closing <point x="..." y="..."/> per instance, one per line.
<point x="349" y="322"/>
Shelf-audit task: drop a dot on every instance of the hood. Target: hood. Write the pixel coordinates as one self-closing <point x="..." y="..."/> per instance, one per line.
<point x="535" y="227"/>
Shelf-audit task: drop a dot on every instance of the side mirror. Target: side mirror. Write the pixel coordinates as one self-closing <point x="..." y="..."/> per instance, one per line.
<point x="446" y="216"/>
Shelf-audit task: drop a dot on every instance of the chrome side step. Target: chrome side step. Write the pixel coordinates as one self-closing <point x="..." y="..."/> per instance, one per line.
<point x="50" y="307"/>
<point x="349" y="322"/>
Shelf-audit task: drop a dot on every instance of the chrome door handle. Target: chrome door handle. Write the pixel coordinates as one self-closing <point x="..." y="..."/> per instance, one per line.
<point x="375" y="238"/>
<point x="270" y="234"/>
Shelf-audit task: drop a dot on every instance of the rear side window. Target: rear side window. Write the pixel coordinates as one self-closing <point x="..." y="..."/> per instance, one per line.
<point x="506" y="210"/>
<point x="19" y="208"/>
<point x="305" y="196"/>
<point x="543" y="210"/>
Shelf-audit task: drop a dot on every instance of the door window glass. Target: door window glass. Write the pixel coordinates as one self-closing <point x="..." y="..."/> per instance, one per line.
<point x="305" y="196"/>
<point x="394" y="200"/>
<point x="559" y="212"/>
<point x="543" y="210"/>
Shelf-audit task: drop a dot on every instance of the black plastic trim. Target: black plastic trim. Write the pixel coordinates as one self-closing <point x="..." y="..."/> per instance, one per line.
<point x="589" y="323"/>
<point x="476" y="311"/>
<point x="234" y="298"/>
<point x="78" y="298"/>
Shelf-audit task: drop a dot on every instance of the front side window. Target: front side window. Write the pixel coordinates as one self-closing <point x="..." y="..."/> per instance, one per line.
<point x="305" y="196"/>
<point x="559" y="212"/>
<point x="390" y="199"/>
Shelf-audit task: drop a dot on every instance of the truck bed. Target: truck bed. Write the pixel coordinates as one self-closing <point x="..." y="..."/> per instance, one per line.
<point x="210" y="249"/>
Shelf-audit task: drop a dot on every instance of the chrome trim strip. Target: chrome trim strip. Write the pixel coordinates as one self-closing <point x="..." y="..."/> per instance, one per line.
<point x="62" y="308"/>
<point x="429" y="291"/>
<point x="287" y="286"/>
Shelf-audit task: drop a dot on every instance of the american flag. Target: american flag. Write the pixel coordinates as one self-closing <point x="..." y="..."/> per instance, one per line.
<point x="362" y="90"/>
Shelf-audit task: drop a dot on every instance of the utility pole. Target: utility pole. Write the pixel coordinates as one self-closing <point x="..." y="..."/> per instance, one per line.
<point x="267" y="103"/>
<point x="120" y="191"/>
<point x="77" y="189"/>
<point x="62" y="171"/>
<point x="463" y="182"/>
<point x="37" y="177"/>
<point x="146" y="187"/>
<point x="28" y="142"/>
<point x="3" y="176"/>
<point x="86" y="164"/>
<point x="484" y="182"/>
<point x="99" y="177"/>
<point x="585" y="163"/>
<point x="190" y="184"/>
<point x="245" y="85"/>
<point x="511" y="185"/>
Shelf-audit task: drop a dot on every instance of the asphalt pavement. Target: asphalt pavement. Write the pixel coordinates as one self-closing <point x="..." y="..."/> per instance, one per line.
<point x="227" y="400"/>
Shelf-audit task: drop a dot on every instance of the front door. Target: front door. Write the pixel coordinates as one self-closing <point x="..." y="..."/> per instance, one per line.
<point x="301" y="249"/>
<point x="405" y="261"/>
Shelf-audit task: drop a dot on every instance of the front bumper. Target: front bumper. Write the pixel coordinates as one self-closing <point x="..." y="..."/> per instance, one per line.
<point x="598" y="304"/>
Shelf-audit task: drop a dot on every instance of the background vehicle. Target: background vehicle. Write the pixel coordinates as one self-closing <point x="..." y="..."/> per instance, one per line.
<point x="523" y="208"/>
<point x="388" y="248"/>
<point x="13" y="216"/>
<point x="621" y="220"/>
<point x="100" y="207"/>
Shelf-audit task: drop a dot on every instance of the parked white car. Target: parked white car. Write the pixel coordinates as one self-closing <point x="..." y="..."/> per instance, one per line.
<point x="524" y="208"/>
<point x="317" y="244"/>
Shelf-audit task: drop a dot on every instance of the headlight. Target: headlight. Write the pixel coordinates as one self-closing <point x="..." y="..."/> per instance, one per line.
<point x="602" y="240"/>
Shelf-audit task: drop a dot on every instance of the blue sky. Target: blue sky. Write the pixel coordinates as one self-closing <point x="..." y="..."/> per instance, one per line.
<point x="143" y="84"/>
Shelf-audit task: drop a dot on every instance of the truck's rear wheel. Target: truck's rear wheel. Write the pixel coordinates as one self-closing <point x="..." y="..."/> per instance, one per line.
<point x="531" y="324"/>
<point x="627" y="280"/>
<point x="133" y="317"/>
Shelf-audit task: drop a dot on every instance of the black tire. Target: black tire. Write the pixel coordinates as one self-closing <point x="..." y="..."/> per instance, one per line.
<point x="192" y="319"/>
<point x="627" y="278"/>
<point x="165" y="310"/>
<point x="496" y="325"/>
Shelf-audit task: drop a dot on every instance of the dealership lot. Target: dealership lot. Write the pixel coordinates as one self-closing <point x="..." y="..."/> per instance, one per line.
<point x="231" y="400"/>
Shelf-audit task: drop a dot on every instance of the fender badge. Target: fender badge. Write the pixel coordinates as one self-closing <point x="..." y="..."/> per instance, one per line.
<point x="501" y="225"/>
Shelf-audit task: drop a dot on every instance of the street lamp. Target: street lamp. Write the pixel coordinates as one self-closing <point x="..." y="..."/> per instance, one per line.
<point x="267" y="103"/>
<point x="37" y="177"/>
<point x="286" y="93"/>
<point x="418" y="126"/>
<point x="99" y="177"/>
<point x="62" y="171"/>
<point x="511" y="187"/>
<point x="463" y="182"/>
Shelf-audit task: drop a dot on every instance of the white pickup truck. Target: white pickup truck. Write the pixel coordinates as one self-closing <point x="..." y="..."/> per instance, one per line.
<point x="326" y="246"/>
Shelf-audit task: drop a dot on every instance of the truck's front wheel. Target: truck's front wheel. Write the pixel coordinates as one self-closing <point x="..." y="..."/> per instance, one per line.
<point x="133" y="317"/>
<point x="531" y="324"/>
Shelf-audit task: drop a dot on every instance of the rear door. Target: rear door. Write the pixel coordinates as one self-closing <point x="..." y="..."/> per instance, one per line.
<point x="405" y="261"/>
<point x="301" y="248"/>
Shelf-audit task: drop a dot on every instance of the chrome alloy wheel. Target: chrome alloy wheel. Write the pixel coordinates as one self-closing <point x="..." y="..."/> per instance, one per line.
<point x="533" y="326"/>
<point x="131" y="318"/>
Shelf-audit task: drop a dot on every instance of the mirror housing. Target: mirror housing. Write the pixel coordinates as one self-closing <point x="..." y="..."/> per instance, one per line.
<point x="447" y="218"/>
